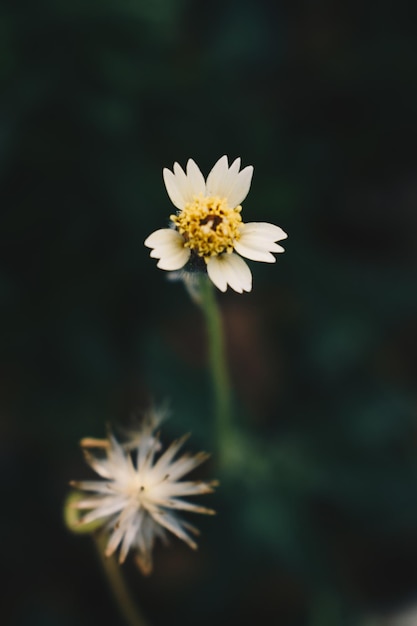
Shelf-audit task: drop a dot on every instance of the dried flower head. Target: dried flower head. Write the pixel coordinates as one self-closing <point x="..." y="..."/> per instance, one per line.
<point x="208" y="231"/>
<point x="141" y="492"/>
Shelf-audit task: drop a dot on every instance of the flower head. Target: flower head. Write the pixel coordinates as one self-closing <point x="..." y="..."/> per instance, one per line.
<point x="140" y="494"/>
<point x="208" y="228"/>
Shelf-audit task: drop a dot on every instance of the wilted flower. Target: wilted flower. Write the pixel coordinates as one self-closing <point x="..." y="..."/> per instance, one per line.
<point x="208" y="229"/>
<point x="141" y="493"/>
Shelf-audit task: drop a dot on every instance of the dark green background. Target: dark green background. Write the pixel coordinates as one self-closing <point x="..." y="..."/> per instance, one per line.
<point x="98" y="97"/>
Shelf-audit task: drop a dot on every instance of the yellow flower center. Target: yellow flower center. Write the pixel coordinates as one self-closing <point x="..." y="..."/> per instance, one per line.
<point x="208" y="225"/>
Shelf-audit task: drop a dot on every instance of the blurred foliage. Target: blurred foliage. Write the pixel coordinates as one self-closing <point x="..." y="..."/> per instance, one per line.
<point x="98" y="97"/>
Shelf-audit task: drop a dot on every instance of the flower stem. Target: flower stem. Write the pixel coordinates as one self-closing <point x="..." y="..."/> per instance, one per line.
<point x="117" y="583"/>
<point x="219" y="371"/>
<point x="112" y="569"/>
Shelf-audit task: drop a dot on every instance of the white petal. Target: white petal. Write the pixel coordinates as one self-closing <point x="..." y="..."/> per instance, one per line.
<point x="144" y="539"/>
<point x="228" y="181"/>
<point x="182" y="505"/>
<point x="241" y="270"/>
<point x="161" y="251"/>
<point x="262" y="245"/>
<point x="146" y="451"/>
<point x="169" y="247"/>
<point x="216" y="273"/>
<point x="117" y="457"/>
<point x="101" y="467"/>
<point x="174" y="189"/>
<point x="264" y="229"/>
<point x="161" y="237"/>
<point x="174" y="261"/>
<point x="217" y="176"/>
<point x="234" y="168"/>
<point x="173" y="524"/>
<point x="259" y="243"/>
<point x="185" y="464"/>
<point x="229" y="269"/>
<point x="165" y="459"/>
<point x="145" y="461"/>
<point x="133" y="526"/>
<point x="183" y="183"/>
<point x="113" y="505"/>
<point x="195" y="179"/>
<point x="253" y="253"/>
<point x="179" y="488"/>
<point x="241" y="187"/>
<point x="114" y="540"/>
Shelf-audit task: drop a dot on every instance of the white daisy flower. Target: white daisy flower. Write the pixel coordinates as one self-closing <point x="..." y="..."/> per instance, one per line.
<point x="208" y="225"/>
<point x="140" y="495"/>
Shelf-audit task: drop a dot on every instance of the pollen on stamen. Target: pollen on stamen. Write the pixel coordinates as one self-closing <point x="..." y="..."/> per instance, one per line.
<point x="208" y="225"/>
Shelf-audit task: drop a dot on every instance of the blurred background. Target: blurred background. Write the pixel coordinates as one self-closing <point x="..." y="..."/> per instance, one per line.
<point x="98" y="96"/>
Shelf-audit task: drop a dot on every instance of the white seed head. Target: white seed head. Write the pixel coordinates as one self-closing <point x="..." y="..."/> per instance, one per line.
<point x="142" y="491"/>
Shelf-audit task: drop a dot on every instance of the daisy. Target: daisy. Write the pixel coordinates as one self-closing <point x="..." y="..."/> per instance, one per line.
<point x="140" y="494"/>
<point x="208" y="230"/>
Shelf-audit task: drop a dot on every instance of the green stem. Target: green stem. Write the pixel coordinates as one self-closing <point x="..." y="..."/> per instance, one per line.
<point x="118" y="586"/>
<point x="219" y="371"/>
<point x="111" y="568"/>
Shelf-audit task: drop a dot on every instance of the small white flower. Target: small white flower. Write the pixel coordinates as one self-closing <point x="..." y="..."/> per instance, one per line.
<point x="140" y="494"/>
<point x="208" y="225"/>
